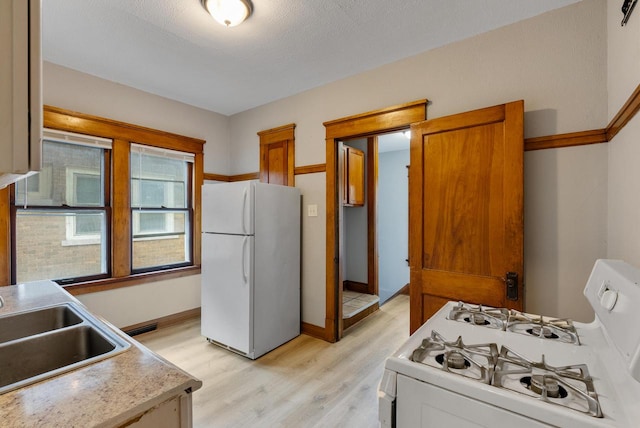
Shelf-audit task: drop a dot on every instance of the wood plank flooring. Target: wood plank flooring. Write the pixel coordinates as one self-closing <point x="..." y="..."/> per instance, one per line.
<point x="305" y="383"/>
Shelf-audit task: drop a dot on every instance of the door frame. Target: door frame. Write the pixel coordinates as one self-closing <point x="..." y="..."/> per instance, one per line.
<point x="363" y="125"/>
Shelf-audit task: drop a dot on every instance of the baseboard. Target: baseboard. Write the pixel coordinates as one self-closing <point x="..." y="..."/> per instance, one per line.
<point x="162" y="322"/>
<point x="359" y="287"/>
<point x="313" y="331"/>
<point x="348" y="322"/>
<point x="404" y="290"/>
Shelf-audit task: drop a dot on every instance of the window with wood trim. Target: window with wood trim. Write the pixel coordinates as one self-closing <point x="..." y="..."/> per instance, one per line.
<point x="115" y="204"/>
<point x="60" y="214"/>
<point x="160" y="208"/>
<point x="277" y="155"/>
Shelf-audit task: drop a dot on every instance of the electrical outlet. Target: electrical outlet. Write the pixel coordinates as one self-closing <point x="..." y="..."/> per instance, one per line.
<point x="312" y="210"/>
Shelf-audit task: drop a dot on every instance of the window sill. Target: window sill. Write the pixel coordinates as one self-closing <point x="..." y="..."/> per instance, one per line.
<point x="73" y="242"/>
<point x="137" y="279"/>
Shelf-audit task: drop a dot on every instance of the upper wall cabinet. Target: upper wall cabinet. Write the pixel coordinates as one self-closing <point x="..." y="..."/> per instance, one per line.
<point x="20" y="89"/>
<point x="353" y="177"/>
<point x="277" y="155"/>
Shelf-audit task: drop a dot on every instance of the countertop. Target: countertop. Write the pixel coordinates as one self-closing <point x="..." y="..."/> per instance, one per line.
<point x="107" y="393"/>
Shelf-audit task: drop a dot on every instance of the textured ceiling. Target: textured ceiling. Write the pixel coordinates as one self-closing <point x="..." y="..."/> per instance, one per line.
<point x="173" y="48"/>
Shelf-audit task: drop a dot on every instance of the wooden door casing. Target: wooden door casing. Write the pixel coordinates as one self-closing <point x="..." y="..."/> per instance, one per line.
<point x="466" y="209"/>
<point x="381" y="121"/>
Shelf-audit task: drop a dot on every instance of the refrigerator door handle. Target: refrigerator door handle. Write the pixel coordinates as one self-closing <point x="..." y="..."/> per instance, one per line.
<point x="244" y="208"/>
<point x="244" y="252"/>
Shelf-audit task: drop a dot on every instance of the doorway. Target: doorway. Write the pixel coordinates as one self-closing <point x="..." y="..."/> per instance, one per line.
<point x="392" y="228"/>
<point x="374" y="233"/>
<point x="365" y="125"/>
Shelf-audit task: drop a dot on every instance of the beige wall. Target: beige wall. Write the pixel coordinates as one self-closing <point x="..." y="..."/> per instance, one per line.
<point x="556" y="62"/>
<point x="88" y="94"/>
<point x="624" y="151"/>
<point x="81" y="92"/>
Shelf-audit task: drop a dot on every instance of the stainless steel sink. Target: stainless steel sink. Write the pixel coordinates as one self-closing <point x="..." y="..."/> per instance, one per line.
<point x="39" y="321"/>
<point x="42" y="343"/>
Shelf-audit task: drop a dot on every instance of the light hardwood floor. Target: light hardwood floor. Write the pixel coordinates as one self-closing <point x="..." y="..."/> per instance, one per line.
<point x="305" y="383"/>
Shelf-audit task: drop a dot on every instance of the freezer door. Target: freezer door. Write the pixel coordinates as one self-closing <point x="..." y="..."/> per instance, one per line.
<point x="228" y="208"/>
<point x="226" y="278"/>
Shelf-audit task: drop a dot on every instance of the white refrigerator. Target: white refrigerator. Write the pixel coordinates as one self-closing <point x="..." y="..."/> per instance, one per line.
<point x="250" y="266"/>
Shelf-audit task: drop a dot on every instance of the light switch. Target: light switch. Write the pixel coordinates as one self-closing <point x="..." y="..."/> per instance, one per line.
<point x="312" y="210"/>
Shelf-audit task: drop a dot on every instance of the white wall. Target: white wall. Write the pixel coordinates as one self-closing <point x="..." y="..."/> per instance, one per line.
<point x="624" y="151"/>
<point x="556" y="62"/>
<point x="393" y="222"/>
<point x="87" y="94"/>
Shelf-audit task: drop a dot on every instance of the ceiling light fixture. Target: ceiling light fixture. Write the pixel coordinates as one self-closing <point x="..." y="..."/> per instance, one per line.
<point x="228" y="12"/>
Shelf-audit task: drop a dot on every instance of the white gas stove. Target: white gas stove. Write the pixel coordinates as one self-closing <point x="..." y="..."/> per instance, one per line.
<point x="471" y="366"/>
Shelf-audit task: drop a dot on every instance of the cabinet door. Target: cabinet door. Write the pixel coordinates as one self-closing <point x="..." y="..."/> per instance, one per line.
<point x="466" y="210"/>
<point x="355" y="176"/>
<point x="173" y="413"/>
<point x="20" y="89"/>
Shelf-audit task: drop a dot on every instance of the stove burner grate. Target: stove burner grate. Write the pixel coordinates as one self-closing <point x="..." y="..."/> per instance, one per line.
<point x="518" y="322"/>
<point x="568" y="386"/>
<point x="560" y="329"/>
<point x="480" y="315"/>
<point x="472" y="361"/>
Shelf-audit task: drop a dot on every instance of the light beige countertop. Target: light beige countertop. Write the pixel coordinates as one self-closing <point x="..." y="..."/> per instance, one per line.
<point x="106" y="393"/>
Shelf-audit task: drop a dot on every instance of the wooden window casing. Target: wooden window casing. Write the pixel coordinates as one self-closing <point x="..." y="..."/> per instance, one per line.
<point x="122" y="135"/>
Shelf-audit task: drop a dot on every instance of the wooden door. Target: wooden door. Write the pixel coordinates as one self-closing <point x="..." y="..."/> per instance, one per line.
<point x="466" y="210"/>
<point x="277" y="155"/>
<point x="275" y="163"/>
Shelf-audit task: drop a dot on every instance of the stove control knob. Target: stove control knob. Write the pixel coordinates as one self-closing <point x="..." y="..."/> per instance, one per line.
<point x="609" y="299"/>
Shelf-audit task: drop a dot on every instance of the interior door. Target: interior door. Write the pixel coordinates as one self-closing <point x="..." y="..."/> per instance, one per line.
<point x="466" y="210"/>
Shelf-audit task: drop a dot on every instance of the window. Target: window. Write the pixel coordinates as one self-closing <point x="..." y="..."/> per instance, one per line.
<point x="61" y="212"/>
<point x="104" y="212"/>
<point x="160" y="207"/>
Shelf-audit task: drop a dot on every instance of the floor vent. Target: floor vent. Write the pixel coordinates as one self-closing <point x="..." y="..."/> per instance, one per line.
<point x="143" y="329"/>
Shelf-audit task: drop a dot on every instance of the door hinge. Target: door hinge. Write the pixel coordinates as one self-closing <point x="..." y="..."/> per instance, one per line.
<point x="512" y="285"/>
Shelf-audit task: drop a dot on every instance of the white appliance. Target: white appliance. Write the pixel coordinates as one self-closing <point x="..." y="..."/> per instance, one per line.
<point x="250" y="266"/>
<point x="473" y="366"/>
